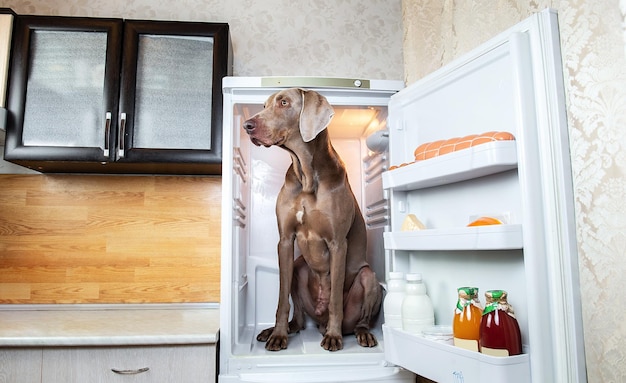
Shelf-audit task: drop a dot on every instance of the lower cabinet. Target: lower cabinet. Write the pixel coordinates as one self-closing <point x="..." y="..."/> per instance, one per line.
<point x="189" y="363"/>
<point x="20" y="365"/>
<point x="185" y="363"/>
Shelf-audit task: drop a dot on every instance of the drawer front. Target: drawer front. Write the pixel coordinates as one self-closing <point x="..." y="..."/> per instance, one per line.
<point x="129" y="364"/>
<point x="20" y="365"/>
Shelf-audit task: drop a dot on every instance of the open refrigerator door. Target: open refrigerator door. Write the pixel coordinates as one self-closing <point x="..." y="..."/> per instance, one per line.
<point x="447" y="176"/>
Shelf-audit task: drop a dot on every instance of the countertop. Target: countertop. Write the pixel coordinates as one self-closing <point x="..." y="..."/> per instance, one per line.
<point x="108" y="325"/>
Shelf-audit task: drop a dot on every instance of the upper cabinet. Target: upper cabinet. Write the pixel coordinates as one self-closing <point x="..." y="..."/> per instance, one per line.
<point x="116" y="96"/>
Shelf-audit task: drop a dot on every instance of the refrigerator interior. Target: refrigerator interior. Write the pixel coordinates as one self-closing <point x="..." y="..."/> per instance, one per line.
<point x="253" y="289"/>
<point x="259" y="261"/>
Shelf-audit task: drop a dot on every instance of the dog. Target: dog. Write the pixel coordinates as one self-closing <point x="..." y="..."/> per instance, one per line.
<point x="331" y="280"/>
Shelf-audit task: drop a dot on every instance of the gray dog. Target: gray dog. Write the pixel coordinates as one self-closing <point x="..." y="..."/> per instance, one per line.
<point x="331" y="281"/>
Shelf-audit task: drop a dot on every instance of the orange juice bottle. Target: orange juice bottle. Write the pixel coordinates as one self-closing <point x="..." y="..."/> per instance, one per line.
<point x="467" y="317"/>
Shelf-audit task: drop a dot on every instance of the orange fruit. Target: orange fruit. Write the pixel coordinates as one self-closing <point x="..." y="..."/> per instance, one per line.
<point x="483" y="221"/>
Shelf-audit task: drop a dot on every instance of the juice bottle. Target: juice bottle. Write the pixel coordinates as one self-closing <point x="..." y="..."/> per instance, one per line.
<point x="392" y="306"/>
<point x="417" y="309"/>
<point x="467" y="318"/>
<point x="499" y="331"/>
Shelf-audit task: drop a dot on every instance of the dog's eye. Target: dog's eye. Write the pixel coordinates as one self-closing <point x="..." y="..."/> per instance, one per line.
<point x="283" y="102"/>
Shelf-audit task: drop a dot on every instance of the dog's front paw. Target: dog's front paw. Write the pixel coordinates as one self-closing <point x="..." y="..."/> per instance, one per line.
<point x="365" y="338"/>
<point x="265" y="334"/>
<point x="276" y="342"/>
<point x="332" y="342"/>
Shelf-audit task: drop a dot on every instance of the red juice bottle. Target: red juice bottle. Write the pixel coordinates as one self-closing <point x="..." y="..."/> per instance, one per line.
<point x="499" y="331"/>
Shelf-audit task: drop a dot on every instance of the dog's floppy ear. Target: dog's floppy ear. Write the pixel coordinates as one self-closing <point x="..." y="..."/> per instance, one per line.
<point x="315" y="115"/>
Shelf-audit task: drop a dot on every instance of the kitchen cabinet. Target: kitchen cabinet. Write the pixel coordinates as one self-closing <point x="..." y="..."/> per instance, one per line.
<point x="171" y="363"/>
<point x="85" y="343"/>
<point x="109" y="95"/>
<point x="20" y="365"/>
<point x="188" y="363"/>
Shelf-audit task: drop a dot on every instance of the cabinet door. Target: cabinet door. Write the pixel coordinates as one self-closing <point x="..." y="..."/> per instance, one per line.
<point x="20" y="365"/>
<point x="187" y="364"/>
<point x="171" y="100"/>
<point x="64" y="87"/>
<point x="6" y="28"/>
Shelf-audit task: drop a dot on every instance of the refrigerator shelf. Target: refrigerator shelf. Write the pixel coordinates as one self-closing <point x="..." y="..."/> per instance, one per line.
<point x="446" y="363"/>
<point x="491" y="237"/>
<point x="485" y="159"/>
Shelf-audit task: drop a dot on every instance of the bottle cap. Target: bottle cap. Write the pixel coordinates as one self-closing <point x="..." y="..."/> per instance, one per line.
<point x="414" y="277"/>
<point x="495" y="294"/>
<point x="468" y="292"/>
<point x="396" y="275"/>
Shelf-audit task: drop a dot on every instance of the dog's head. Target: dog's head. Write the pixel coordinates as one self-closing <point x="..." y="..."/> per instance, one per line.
<point x="291" y="114"/>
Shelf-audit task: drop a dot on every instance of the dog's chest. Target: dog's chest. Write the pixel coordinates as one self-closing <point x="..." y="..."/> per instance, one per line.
<point x="300" y="216"/>
<point x="306" y="210"/>
<point x="318" y="217"/>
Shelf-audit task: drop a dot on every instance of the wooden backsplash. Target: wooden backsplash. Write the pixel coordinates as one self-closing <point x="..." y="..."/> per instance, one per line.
<point x="109" y="239"/>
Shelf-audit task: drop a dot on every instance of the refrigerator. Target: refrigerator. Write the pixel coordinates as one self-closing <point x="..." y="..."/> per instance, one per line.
<point x="512" y="83"/>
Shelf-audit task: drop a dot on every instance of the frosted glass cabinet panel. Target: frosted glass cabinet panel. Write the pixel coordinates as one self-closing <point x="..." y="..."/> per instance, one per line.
<point x="116" y="96"/>
<point x="65" y="98"/>
<point x="173" y="92"/>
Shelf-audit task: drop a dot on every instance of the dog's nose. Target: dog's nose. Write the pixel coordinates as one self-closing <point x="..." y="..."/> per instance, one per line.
<point x="249" y="126"/>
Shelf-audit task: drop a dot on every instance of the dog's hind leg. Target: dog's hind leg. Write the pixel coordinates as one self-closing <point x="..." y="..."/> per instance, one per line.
<point x="362" y="307"/>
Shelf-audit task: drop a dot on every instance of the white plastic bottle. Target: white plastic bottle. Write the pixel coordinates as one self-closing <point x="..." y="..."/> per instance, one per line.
<point x="392" y="305"/>
<point x="417" y="308"/>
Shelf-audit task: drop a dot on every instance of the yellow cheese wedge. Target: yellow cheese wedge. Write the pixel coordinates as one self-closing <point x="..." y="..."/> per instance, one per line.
<point x="411" y="223"/>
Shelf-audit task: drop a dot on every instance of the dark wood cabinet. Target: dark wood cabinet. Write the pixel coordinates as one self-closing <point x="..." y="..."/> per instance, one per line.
<point x="116" y="96"/>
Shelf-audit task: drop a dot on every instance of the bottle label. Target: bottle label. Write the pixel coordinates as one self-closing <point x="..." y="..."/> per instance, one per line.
<point x="468" y="344"/>
<point x="494" y="351"/>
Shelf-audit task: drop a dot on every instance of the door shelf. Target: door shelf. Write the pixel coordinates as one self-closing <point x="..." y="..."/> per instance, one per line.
<point x="485" y="159"/>
<point x="446" y="363"/>
<point x="491" y="237"/>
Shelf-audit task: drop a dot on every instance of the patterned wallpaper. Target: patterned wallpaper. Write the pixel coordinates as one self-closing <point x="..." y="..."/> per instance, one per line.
<point x="593" y="39"/>
<point x="347" y="38"/>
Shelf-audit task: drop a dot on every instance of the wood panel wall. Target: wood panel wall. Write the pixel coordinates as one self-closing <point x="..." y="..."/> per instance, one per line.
<point x="109" y="239"/>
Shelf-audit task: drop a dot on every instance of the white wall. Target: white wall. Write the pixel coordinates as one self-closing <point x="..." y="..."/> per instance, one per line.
<point x="340" y="38"/>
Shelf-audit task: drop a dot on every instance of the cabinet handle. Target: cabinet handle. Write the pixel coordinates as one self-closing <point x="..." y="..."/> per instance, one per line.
<point x="120" y="152"/>
<point x="130" y="372"/>
<point x="107" y="133"/>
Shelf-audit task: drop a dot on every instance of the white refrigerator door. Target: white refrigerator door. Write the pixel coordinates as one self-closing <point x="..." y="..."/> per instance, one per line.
<point x="511" y="83"/>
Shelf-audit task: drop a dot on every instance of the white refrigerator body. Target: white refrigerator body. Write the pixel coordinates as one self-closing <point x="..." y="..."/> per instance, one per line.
<point x="511" y="83"/>
<point x="252" y="177"/>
